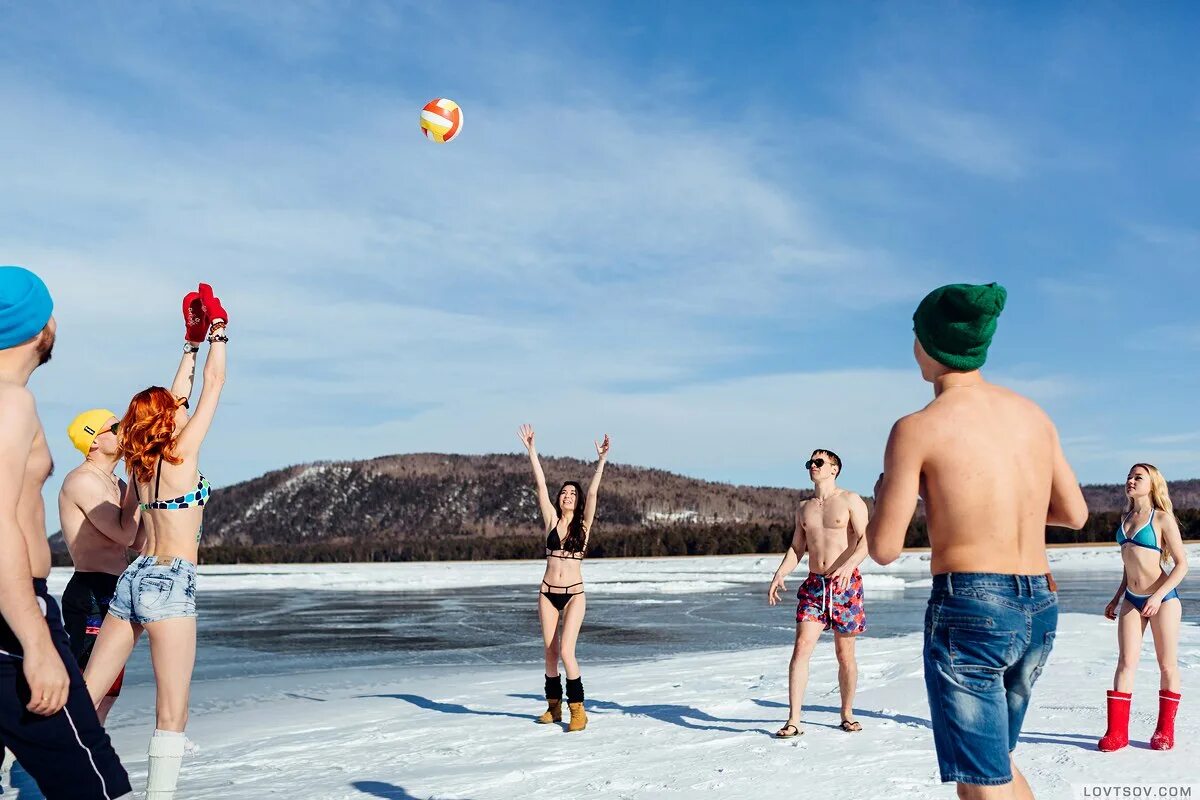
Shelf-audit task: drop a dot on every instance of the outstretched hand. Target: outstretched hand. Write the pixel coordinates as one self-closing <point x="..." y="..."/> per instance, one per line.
<point x="195" y="317"/>
<point x="1110" y="610"/>
<point x="602" y="448"/>
<point x="777" y="585"/>
<point x="526" y="434"/>
<point x="212" y="304"/>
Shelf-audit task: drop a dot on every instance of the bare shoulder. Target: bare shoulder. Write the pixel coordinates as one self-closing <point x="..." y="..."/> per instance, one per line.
<point x="853" y="499"/>
<point x="15" y="399"/>
<point x="1035" y="417"/>
<point x="913" y="425"/>
<point x="19" y="424"/>
<point x="1021" y="401"/>
<point x="80" y="483"/>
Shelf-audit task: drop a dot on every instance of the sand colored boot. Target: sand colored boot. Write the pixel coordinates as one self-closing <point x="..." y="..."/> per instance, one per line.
<point x="1117" y="735"/>
<point x="553" y="713"/>
<point x="575" y="703"/>
<point x="578" y="717"/>
<point x="553" y="701"/>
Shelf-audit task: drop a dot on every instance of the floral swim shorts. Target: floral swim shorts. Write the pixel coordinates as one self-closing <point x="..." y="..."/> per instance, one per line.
<point x="843" y="610"/>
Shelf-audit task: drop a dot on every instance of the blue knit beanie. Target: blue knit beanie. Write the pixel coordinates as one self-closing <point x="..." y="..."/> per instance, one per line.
<point x="25" y="306"/>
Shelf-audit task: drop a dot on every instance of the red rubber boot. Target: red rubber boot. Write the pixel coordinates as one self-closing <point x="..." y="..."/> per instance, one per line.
<point x="1164" y="732"/>
<point x="1117" y="735"/>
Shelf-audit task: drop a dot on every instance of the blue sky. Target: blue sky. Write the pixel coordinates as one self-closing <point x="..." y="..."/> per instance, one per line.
<point x="700" y="228"/>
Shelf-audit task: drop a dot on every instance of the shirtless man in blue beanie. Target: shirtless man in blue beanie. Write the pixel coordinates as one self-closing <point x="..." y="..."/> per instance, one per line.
<point x="46" y="715"/>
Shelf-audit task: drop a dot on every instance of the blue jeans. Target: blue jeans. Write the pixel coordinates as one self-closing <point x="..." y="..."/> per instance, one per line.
<point x="153" y="589"/>
<point x="987" y="638"/>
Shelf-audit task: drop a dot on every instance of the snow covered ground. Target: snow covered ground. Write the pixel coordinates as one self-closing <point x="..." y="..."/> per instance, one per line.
<point x="662" y="727"/>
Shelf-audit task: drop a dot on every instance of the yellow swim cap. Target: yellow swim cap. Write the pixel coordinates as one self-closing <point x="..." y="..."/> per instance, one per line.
<point x="84" y="429"/>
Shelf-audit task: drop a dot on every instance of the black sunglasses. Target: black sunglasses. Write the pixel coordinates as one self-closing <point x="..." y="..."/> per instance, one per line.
<point x="815" y="462"/>
<point x="111" y="428"/>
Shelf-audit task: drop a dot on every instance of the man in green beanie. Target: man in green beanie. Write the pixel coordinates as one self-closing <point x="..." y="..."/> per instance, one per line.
<point x="989" y="466"/>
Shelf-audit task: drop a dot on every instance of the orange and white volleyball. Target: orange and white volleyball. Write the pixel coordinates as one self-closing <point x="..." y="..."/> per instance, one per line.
<point x="441" y="120"/>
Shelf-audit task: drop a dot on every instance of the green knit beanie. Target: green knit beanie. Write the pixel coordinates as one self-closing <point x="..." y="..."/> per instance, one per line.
<point x="955" y="323"/>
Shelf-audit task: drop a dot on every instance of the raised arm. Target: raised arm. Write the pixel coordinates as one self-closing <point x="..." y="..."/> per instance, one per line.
<point x="543" y="496"/>
<point x="193" y="433"/>
<point x="89" y="493"/>
<point x="896" y="492"/>
<point x="185" y="376"/>
<point x="791" y="557"/>
<point x="593" y="492"/>
<point x="196" y="323"/>
<point x="43" y="668"/>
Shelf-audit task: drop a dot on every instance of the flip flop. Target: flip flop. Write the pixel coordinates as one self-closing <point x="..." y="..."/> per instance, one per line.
<point x="850" y="727"/>
<point x="783" y="734"/>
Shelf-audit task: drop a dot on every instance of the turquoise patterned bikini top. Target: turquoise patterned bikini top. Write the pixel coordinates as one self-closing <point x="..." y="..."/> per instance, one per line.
<point x="193" y="499"/>
<point x="1145" y="536"/>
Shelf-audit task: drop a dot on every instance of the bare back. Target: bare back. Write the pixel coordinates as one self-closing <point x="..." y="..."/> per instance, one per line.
<point x="172" y="533"/>
<point x="987" y="468"/>
<point x="826" y="529"/>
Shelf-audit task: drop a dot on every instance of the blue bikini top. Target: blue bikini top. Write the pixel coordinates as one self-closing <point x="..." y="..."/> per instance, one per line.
<point x="1145" y="536"/>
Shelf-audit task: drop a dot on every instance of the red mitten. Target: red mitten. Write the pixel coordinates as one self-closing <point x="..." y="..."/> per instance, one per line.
<point x="195" y="317"/>
<point x="212" y="304"/>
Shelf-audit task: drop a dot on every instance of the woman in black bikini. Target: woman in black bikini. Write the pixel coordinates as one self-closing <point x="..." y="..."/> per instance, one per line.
<point x="561" y="598"/>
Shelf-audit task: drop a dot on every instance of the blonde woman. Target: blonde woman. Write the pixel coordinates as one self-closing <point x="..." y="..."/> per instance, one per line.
<point x="1148" y="536"/>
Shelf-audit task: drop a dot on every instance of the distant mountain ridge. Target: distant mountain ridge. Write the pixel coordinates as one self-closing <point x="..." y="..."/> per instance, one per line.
<point x="431" y="505"/>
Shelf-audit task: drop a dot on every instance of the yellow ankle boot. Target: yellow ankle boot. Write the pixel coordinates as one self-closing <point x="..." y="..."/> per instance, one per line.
<point x="578" y="717"/>
<point x="553" y="712"/>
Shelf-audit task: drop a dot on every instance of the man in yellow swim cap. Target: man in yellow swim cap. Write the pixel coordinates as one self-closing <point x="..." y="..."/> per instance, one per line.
<point x="99" y="521"/>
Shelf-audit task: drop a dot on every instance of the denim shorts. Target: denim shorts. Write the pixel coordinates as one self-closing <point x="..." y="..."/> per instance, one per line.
<point x="987" y="638"/>
<point x="153" y="589"/>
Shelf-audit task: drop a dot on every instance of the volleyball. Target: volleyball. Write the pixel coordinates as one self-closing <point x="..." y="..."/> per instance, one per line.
<point x="441" y="120"/>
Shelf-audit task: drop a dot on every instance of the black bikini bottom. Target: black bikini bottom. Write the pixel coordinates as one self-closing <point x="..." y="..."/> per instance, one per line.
<point x="561" y="595"/>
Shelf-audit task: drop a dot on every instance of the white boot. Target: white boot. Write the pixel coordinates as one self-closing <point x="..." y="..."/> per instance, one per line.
<point x="166" y="754"/>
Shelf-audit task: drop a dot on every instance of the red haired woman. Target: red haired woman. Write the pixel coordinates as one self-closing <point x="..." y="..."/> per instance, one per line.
<point x="161" y="443"/>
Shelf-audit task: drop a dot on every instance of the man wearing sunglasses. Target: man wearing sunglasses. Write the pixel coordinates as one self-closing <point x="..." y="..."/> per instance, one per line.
<point x="831" y="529"/>
<point x="990" y="468"/>
<point x="99" y="518"/>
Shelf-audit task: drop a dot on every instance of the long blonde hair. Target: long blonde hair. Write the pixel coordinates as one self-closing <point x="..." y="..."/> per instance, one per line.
<point x="1160" y="499"/>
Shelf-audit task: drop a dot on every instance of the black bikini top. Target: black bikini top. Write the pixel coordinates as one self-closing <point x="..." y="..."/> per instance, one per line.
<point x="554" y="546"/>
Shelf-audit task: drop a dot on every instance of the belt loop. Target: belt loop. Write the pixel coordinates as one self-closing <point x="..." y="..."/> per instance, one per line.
<point x="950" y="583"/>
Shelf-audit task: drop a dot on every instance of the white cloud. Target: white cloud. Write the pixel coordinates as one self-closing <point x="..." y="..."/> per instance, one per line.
<point x="971" y="140"/>
<point x="371" y="275"/>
